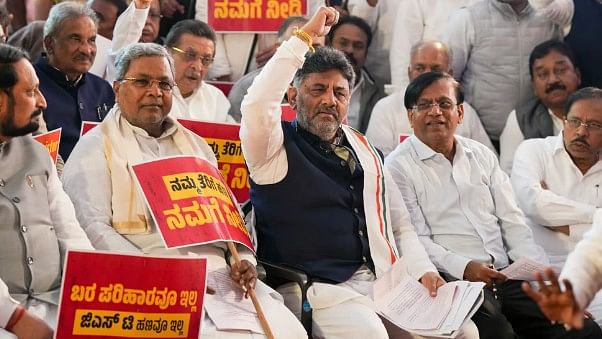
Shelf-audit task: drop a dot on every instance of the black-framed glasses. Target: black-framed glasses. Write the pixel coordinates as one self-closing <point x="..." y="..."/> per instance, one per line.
<point x="444" y="106"/>
<point x="190" y="56"/>
<point x="593" y="127"/>
<point x="163" y="85"/>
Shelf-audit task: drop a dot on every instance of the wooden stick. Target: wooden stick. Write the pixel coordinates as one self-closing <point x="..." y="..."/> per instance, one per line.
<point x="258" y="309"/>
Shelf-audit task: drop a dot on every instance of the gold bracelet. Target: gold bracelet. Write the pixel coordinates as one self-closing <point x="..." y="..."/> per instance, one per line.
<point x="305" y="37"/>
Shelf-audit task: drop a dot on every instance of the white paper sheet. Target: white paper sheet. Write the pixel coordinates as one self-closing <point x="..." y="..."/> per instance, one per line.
<point x="228" y="308"/>
<point x="523" y="269"/>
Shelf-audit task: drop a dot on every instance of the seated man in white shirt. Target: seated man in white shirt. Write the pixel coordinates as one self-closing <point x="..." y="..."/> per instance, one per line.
<point x="464" y="211"/>
<point x="389" y="118"/>
<point x="557" y="180"/>
<point x="192" y="45"/>
<point x="37" y="220"/>
<point x="581" y="277"/>
<point x="138" y="129"/>
<point x="318" y="190"/>
<point x="555" y="77"/>
<point x="16" y="322"/>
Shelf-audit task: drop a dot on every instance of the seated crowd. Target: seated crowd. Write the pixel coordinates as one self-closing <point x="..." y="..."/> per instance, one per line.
<point x="482" y="123"/>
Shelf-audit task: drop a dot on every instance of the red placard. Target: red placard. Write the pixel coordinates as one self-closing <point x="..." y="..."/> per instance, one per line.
<point x="252" y="15"/>
<point x="225" y="142"/>
<point x="107" y="295"/>
<point x="51" y="140"/>
<point x="87" y="126"/>
<point x="403" y="137"/>
<point x="288" y="114"/>
<point x="190" y="202"/>
<point x="224" y="86"/>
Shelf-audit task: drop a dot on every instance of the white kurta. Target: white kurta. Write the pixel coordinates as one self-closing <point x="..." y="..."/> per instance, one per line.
<point x="389" y="119"/>
<point x="206" y="103"/>
<point x="87" y="180"/>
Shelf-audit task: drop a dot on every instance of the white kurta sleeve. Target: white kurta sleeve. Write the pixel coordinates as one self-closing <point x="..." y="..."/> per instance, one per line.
<point x="62" y="213"/>
<point x="583" y="267"/>
<point x="128" y="29"/>
<point x="558" y="11"/>
<point x="87" y="180"/>
<point x="7" y="305"/>
<point x="542" y="205"/>
<point x="260" y="131"/>
<point x="460" y="37"/>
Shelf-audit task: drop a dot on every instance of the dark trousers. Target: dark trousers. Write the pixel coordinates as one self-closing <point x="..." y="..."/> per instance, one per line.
<point x="514" y="315"/>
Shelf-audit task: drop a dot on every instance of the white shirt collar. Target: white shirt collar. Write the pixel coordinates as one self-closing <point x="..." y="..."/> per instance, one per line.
<point x="425" y="152"/>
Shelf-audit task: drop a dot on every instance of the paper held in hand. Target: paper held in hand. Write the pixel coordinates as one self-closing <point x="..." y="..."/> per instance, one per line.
<point x="523" y="269"/>
<point x="406" y="303"/>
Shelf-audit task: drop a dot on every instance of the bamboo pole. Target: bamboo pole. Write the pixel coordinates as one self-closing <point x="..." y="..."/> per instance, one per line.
<point x="262" y="318"/>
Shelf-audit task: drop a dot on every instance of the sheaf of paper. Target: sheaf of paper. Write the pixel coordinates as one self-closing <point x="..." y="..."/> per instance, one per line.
<point x="228" y="308"/>
<point x="410" y="306"/>
<point x="523" y="269"/>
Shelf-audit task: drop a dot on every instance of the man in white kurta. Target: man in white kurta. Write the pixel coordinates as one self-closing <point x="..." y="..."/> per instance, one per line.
<point x="558" y="187"/>
<point x="294" y="159"/>
<point x="465" y="213"/>
<point x="389" y="119"/>
<point x="108" y="203"/>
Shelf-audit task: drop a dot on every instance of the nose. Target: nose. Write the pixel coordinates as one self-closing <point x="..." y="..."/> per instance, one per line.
<point x="154" y="89"/>
<point x="41" y="101"/>
<point x="434" y="109"/>
<point x="328" y="99"/>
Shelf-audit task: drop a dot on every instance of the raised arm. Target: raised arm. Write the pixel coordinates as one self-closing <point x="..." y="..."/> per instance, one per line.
<point x="261" y="133"/>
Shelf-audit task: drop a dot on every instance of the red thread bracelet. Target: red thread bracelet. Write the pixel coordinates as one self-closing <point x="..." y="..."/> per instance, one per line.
<point x="15" y="318"/>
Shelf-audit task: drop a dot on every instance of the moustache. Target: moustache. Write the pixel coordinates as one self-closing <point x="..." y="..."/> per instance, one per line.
<point x="193" y="75"/>
<point x="555" y="86"/>
<point x="36" y="113"/>
<point x="83" y="57"/>
<point x="580" y="140"/>
<point x="329" y="110"/>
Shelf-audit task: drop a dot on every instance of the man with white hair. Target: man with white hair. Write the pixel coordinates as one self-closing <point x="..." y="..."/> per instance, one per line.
<point x="109" y="206"/>
<point x="73" y="94"/>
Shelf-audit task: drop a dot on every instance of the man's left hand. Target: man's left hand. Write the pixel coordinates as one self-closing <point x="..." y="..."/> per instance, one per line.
<point x="432" y="281"/>
<point x="245" y="275"/>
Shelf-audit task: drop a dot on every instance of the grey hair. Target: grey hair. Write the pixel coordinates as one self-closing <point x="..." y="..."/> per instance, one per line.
<point x="139" y="50"/>
<point x="420" y="44"/>
<point x="324" y="60"/>
<point x="65" y="11"/>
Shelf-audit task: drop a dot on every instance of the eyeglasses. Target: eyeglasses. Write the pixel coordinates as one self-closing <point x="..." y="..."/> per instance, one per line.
<point x="191" y="56"/>
<point x="444" y="106"/>
<point x="155" y="15"/>
<point x="593" y="127"/>
<point x="163" y="85"/>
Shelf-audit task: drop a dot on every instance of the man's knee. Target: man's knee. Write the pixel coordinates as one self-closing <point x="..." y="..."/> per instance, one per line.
<point x="492" y="323"/>
<point x="353" y="322"/>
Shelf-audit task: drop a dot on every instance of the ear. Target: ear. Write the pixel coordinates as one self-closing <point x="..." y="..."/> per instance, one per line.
<point x="409" y="72"/>
<point x="291" y="95"/>
<point x="116" y="87"/>
<point x="49" y="45"/>
<point x="411" y="117"/>
<point x="460" y="109"/>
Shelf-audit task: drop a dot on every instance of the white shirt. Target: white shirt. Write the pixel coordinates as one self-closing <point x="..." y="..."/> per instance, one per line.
<point x="7" y="305"/>
<point x="584" y="266"/>
<point x="262" y="140"/>
<point x="354" y="114"/>
<point x="206" y="103"/>
<point x="462" y="212"/>
<point x="389" y="119"/>
<point x="381" y="19"/>
<point x="512" y="136"/>
<point x="418" y="20"/>
<point x="571" y="198"/>
<point x="128" y="29"/>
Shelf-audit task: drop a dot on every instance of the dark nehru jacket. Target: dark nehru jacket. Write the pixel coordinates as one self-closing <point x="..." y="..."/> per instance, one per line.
<point x="314" y="218"/>
<point x="584" y="39"/>
<point x="71" y="102"/>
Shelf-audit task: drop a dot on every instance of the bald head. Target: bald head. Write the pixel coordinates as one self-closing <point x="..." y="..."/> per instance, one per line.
<point x="429" y="56"/>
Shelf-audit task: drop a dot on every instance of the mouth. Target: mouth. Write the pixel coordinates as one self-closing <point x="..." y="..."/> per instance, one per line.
<point x="153" y="106"/>
<point x="580" y="144"/>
